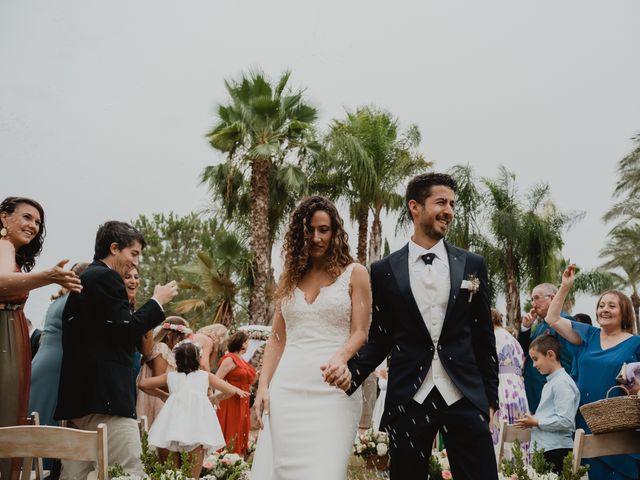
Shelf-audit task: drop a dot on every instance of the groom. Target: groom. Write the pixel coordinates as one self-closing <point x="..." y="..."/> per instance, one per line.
<point x="431" y="316"/>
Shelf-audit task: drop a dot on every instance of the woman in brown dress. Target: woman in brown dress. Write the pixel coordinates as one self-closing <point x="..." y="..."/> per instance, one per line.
<point x="22" y="233"/>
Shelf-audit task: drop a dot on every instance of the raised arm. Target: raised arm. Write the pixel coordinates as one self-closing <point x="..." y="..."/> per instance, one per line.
<point x="225" y="387"/>
<point x="272" y="354"/>
<point x="558" y="323"/>
<point x="360" y="320"/>
<point x="14" y="283"/>
<point x="154" y="385"/>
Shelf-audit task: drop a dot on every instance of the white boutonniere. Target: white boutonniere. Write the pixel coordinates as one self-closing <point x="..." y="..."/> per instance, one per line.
<point x="472" y="283"/>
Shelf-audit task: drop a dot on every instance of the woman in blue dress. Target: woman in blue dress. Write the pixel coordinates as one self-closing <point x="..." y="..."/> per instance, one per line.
<point x="600" y="353"/>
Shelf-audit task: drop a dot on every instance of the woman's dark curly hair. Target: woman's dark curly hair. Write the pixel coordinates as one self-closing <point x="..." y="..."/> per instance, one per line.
<point x="26" y="255"/>
<point x="296" y="244"/>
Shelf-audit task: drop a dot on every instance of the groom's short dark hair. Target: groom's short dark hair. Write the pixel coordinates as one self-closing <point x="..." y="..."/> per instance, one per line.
<point x="419" y="187"/>
<point x="119" y="232"/>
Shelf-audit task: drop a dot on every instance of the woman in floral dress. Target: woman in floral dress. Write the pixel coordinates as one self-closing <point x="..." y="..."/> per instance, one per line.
<point x="511" y="393"/>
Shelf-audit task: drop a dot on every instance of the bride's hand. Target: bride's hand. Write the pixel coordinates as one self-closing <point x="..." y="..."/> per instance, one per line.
<point x="261" y="405"/>
<point x="336" y="373"/>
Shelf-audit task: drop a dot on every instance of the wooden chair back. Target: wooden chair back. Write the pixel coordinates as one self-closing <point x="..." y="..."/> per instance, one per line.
<point x="143" y="425"/>
<point x="35" y="441"/>
<point x="614" y="443"/>
<point x="509" y="434"/>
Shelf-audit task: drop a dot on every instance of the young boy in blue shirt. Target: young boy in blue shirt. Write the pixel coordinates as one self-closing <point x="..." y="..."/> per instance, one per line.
<point x="553" y="424"/>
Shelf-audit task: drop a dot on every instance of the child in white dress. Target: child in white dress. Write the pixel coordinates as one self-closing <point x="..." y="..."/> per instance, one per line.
<point x="187" y="422"/>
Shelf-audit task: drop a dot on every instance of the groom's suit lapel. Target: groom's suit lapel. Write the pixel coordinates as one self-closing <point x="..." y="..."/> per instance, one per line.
<point x="400" y="268"/>
<point x="457" y="261"/>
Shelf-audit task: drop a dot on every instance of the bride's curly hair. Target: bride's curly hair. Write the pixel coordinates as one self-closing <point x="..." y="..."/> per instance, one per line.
<point x="296" y="244"/>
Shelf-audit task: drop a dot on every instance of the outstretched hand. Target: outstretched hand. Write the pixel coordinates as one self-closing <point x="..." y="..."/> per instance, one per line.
<point x="528" y="421"/>
<point x="64" y="278"/>
<point x="165" y="293"/>
<point x="569" y="275"/>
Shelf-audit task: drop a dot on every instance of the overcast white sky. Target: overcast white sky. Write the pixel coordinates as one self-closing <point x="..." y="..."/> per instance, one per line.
<point x="104" y="105"/>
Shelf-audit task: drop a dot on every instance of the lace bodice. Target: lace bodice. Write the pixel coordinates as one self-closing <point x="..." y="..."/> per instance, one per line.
<point x="327" y="318"/>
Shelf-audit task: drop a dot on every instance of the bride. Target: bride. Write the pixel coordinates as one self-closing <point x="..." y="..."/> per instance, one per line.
<point x="323" y="306"/>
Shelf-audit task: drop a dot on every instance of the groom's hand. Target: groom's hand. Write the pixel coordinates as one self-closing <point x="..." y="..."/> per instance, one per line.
<point x="337" y="375"/>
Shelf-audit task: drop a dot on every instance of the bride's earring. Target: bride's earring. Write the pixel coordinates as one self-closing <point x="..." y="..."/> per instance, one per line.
<point x="3" y="232"/>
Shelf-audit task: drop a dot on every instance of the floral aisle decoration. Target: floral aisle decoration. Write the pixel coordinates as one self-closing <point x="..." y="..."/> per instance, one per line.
<point x="225" y="466"/>
<point x="373" y="447"/>
<point x="439" y="465"/>
<point x="516" y="468"/>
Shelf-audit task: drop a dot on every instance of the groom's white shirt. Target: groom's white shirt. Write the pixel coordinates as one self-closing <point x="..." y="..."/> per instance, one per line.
<point x="430" y="285"/>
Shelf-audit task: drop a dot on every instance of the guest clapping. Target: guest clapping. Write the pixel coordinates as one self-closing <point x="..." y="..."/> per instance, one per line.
<point x="100" y="333"/>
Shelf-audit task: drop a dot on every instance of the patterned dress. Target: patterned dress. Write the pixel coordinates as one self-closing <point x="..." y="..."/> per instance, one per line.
<point x="511" y="392"/>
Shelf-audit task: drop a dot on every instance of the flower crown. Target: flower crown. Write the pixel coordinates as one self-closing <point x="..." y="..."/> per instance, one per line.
<point x="188" y="340"/>
<point x="177" y="328"/>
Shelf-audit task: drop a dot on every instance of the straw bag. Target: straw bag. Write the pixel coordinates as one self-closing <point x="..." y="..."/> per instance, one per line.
<point x="613" y="414"/>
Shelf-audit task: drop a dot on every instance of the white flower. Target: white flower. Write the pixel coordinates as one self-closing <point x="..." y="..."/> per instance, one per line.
<point x="381" y="449"/>
<point x="232" y="457"/>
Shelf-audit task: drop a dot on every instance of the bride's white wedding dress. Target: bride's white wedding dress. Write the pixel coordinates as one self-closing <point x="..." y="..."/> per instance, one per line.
<point x="310" y="432"/>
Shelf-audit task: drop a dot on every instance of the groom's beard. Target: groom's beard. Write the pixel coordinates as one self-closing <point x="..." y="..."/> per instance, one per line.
<point x="429" y="229"/>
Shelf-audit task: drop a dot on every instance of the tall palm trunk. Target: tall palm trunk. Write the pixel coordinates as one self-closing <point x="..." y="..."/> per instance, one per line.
<point x="260" y="169"/>
<point x="224" y="313"/>
<point x="362" y="218"/>
<point x="375" y="244"/>
<point x="512" y="293"/>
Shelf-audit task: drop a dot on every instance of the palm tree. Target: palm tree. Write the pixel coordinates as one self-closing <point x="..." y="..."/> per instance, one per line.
<point x="526" y="239"/>
<point x="368" y="157"/>
<point x="623" y="253"/>
<point x="465" y="230"/>
<point x="259" y="126"/>
<point x="624" y="242"/>
<point x="214" y="279"/>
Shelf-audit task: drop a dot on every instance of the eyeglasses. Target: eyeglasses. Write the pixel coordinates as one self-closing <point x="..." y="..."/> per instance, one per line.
<point x="536" y="298"/>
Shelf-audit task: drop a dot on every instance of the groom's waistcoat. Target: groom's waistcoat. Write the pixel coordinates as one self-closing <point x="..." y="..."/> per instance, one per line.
<point x="430" y="286"/>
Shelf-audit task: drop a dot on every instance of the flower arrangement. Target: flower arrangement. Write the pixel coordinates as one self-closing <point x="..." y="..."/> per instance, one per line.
<point x="177" y="328"/>
<point x="439" y="465"/>
<point x="371" y="443"/>
<point x="225" y="466"/>
<point x="257" y="333"/>
<point x="515" y="468"/>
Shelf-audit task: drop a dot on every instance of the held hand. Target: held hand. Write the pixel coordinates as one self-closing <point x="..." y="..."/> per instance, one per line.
<point x="529" y="318"/>
<point x="569" y="275"/>
<point x="261" y="405"/>
<point x="492" y="412"/>
<point x="337" y="375"/>
<point x="165" y="293"/>
<point x="64" y="278"/>
<point x="528" y="421"/>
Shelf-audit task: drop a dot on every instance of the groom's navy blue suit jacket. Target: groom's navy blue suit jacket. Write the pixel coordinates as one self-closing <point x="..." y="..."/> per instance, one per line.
<point x="466" y="347"/>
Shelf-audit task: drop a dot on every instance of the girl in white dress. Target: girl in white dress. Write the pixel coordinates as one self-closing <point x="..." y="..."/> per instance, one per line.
<point x="323" y="306"/>
<point x="187" y="422"/>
